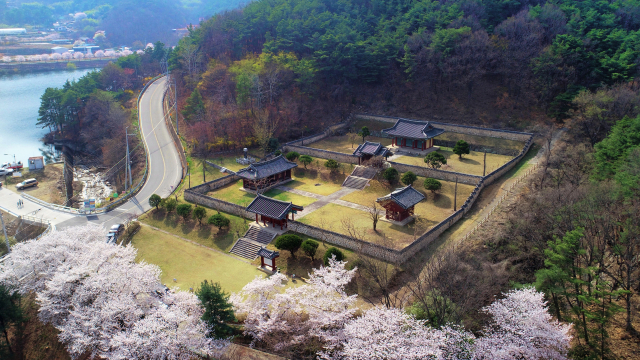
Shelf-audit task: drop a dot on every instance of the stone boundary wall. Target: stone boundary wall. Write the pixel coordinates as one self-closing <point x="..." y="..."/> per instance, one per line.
<point x="462" y="129"/>
<point x="436" y="174"/>
<point x="479" y="148"/>
<point x="213" y="203"/>
<point x="322" y="154"/>
<point x="214" y="184"/>
<point x="317" y="137"/>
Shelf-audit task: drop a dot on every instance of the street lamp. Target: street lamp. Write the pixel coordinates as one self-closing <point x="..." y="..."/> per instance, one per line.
<point x="14" y="157"/>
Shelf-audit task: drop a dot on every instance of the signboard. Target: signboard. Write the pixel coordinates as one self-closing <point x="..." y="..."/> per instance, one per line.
<point x="86" y="204"/>
<point x="92" y="204"/>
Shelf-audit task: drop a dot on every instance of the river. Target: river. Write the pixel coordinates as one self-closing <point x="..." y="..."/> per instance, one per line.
<point x="19" y="103"/>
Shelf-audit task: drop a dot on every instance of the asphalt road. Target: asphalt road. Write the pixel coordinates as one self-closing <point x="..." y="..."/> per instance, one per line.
<point x="165" y="169"/>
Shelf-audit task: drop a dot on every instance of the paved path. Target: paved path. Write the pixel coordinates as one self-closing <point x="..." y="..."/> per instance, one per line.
<point x="324" y="200"/>
<point x="165" y="170"/>
<point x="9" y="202"/>
<point x="299" y="192"/>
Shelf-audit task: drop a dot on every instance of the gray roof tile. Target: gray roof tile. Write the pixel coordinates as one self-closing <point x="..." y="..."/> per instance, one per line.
<point x="261" y="170"/>
<point x="406" y="197"/>
<point x="268" y="254"/>
<point x="275" y="209"/>
<point x="371" y="148"/>
<point x="413" y="129"/>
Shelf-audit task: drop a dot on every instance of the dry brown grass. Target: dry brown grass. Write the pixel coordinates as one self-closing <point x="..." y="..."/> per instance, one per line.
<point x="48" y="179"/>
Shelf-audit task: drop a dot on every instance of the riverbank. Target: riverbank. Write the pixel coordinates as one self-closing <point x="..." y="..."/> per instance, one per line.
<point x="24" y="67"/>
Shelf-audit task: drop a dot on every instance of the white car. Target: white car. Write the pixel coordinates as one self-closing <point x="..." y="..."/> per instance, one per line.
<point x="4" y="171"/>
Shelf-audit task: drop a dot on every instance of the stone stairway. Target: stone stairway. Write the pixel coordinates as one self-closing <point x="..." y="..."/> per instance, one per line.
<point x="359" y="177"/>
<point x="248" y="245"/>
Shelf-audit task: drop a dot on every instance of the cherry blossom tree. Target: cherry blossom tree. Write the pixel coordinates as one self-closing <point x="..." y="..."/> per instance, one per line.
<point x="99" y="54"/>
<point x="20" y="58"/>
<point x="282" y="319"/>
<point x="149" y="46"/>
<point x="139" y="52"/>
<point x="56" y="56"/>
<point x="89" y="56"/>
<point x="78" y="56"/>
<point x="109" y="53"/>
<point x="522" y="328"/>
<point x="105" y="303"/>
<point x="45" y="57"/>
<point x="6" y="59"/>
<point x="66" y="56"/>
<point x="127" y="53"/>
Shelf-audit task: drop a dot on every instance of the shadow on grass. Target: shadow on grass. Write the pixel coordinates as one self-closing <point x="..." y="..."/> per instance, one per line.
<point x="187" y="226"/>
<point x="469" y="161"/>
<point x="443" y="202"/>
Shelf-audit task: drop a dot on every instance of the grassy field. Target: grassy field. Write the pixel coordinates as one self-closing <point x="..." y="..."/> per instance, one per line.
<point x="197" y="177"/>
<point x="190" y="264"/>
<point x="204" y="234"/>
<point x="318" y="180"/>
<point x="397" y="236"/>
<point x="233" y="194"/>
<point x="435" y="208"/>
<point x="47" y="189"/>
<point x="343" y="145"/>
<point x="469" y="164"/>
<point x="228" y="161"/>
<point x="482" y="140"/>
<point x="373" y="125"/>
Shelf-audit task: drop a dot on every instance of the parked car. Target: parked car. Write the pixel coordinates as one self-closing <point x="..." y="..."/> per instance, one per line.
<point x="111" y="238"/>
<point x="116" y="229"/>
<point x="27" y="184"/>
<point x="4" y="171"/>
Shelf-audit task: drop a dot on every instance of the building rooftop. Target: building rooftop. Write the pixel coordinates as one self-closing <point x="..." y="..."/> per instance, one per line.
<point x="268" y="254"/>
<point x="261" y="170"/>
<point x="275" y="209"/>
<point x="406" y="197"/>
<point x="371" y="148"/>
<point x="413" y="129"/>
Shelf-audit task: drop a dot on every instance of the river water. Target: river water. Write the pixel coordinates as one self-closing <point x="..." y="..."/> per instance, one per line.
<point x="19" y="103"/>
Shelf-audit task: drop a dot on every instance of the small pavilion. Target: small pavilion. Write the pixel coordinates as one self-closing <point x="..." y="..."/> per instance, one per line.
<point x="400" y="203"/>
<point x="268" y="258"/>
<point x="275" y="212"/>
<point x="412" y="134"/>
<point x="265" y="174"/>
<point x="368" y="150"/>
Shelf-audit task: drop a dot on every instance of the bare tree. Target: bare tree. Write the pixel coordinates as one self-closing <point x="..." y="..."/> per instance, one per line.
<point x="353" y="137"/>
<point x="374" y="214"/>
<point x="264" y="127"/>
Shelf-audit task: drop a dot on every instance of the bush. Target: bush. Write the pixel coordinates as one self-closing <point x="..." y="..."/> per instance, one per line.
<point x="332" y="165"/>
<point x="310" y="247"/>
<point x="289" y="242"/>
<point x="408" y="178"/>
<point x="184" y="210"/>
<point x="292" y="156"/>
<point x="432" y="185"/>
<point x="461" y="148"/>
<point x="170" y="204"/>
<point x="364" y="132"/>
<point x="330" y="252"/>
<point x="390" y="174"/>
<point x="199" y="213"/>
<point x="155" y="201"/>
<point x="306" y="160"/>
<point x="277" y="153"/>
<point x="435" y="160"/>
<point x="219" y="221"/>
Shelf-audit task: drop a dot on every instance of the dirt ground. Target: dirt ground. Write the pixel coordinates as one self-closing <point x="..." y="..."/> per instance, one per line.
<point x="48" y="180"/>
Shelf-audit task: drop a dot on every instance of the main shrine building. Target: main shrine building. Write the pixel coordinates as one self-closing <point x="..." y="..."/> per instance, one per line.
<point x="400" y="203"/>
<point x="412" y="134"/>
<point x="265" y="174"/>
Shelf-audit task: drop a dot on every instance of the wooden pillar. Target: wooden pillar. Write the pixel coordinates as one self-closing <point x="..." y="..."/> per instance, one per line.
<point x="256" y="217"/>
<point x="261" y="261"/>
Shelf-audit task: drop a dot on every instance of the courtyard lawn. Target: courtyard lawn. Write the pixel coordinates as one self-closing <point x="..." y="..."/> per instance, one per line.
<point x="205" y="234"/>
<point x="342" y="143"/>
<point x="469" y="164"/>
<point x="435" y="208"/>
<point x="190" y="264"/>
<point x="387" y="234"/>
<point x="373" y="125"/>
<point x="197" y="177"/>
<point x="228" y="161"/>
<point x="232" y="193"/>
<point x="482" y="141"/>
<point x="318" y="180"/>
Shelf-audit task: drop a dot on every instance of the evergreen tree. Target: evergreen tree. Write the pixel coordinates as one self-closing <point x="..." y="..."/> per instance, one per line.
<point x="194" y="108"/>
<point x="461" y="148"/>
<point x="217" y="309"/>
<point x="11" y="314"/>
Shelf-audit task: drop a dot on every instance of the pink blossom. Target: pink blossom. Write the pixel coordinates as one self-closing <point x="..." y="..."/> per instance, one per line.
<point x="6" y="59"/>
<point x="45" y="57"/>
<point x="109" y="53"/>
<point x="139" y="52"/>
<point x="56" y="56"/>
<point x="66" y="56"/>
<point x="99" y="53"/>
<point x="78" y="56"/>
<point x="127" y="53"/>
<point x="20" y="58"/>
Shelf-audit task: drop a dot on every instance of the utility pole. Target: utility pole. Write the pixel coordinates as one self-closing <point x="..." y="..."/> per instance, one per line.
<point x="175" y="104"/>
<point x="484" y="171"/>
<point x="127" y="169"/>
<point x="455" y="195"/>
<point x="6" y="238"/>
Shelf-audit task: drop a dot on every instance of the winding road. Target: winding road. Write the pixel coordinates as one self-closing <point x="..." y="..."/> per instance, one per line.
<point x="165" y="170"/>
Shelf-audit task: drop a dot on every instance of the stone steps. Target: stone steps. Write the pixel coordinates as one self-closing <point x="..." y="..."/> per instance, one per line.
<point x="260" y="236"/>
<point x="355" y="182"/>
<point x="364" y="172"/>
<point x="248" y="245"/>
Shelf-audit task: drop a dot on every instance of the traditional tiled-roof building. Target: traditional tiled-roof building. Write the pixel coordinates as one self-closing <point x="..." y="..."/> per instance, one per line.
<point x="265" y="174"/>
<point x="273" y="211"/>
<point x="370" y="149"/>
<point x="412" y="134"/>
<point x="400" y="204"/>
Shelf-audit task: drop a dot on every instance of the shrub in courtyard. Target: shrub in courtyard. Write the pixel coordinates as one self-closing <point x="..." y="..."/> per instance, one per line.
<point x="364" y="132"/>
<point x="170" y="204"/>
<point x="218" y="311"/>
<point x="277" y="153"/>
<point x="199" y="213"/>
<point x="289" y="242"/>
<point x="408" y="178"/>
<point x="219" y="221"/>
<point x="292" y="155"/>
<point x="310" y="247"/>
<point x="432" y="185"/>
<point x="390" y="174"/>
<point x="332" y="165"/>
<point x="461" y="148"/>
<point x="330" y="252"/>
<point x="155" y="201"/>
<point x="306" y="160"/>
<point x="435" y="160"/>
<point x="184" y="210"/>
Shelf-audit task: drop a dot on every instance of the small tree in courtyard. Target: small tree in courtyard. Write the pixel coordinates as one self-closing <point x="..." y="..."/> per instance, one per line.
<point x="184" y="210"/>
<point x="390" y="174"/>
<point x="432" y="185"/>
<point x="292" y="155"/>
<point x="352" y="138"/>
<point x="199" y="213"/>
<point x="219" y="221"/>
<point x="218" y="311"/>
<point x="170" y="204"/>
<point x="408" y="178"/>
<point x="306" y="160"/>
<point x="331" y="252"/>
<point x="435" y="160"/>
<point x="364" y="132"/>
<point x="332" y="165"/>
<point x="155" y="201"/>
<point x="289" y="242"/>
<point x="310" y="247"/>
<point x="461" y="148"/>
